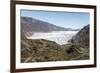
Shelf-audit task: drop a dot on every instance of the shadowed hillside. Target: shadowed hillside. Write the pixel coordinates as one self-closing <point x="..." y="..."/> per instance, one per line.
<point x="82" y="38"/>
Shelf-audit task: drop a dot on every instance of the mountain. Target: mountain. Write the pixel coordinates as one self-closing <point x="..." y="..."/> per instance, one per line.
<point x="42" y="50"/>
<point x="82" y="37"/>
<point x="30" y="25"/>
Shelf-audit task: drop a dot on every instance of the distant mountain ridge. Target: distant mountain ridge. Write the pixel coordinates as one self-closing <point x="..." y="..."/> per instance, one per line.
<point x="30" y="25"/>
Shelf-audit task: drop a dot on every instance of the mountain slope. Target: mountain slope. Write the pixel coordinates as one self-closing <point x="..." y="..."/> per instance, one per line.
<point x="30" y="25"/>
<point x="41" y="50"/>
<point x="82" y="37"/>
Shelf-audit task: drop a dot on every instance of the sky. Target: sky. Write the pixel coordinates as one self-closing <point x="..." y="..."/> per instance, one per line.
<point x="74" y="20"/>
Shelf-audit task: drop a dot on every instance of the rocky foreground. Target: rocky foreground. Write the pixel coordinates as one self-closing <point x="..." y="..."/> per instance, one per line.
<point x="43" y="50"/>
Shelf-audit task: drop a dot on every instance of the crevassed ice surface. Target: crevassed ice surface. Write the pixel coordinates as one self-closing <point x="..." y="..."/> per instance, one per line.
<point x="60" y="37"/>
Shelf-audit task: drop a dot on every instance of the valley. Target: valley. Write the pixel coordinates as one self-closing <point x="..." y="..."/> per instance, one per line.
<point x="42" y="42"/>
